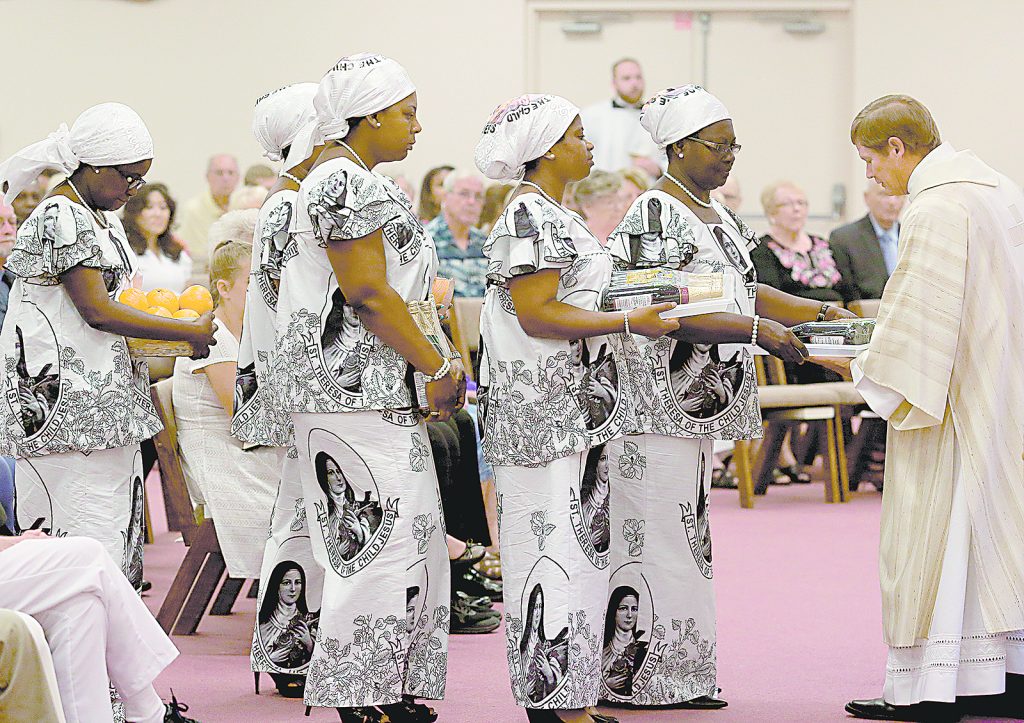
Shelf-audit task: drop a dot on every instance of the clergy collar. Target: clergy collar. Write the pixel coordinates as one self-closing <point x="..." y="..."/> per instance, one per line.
<point x="944" y="165"/>
<point x="619" y="102"/>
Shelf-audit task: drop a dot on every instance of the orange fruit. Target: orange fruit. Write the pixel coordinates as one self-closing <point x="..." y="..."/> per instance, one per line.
<point x="187" y="314"/>
<point x="134" y="298"/>
<point x="163" y="297"/>
<point x="159" y="311"/>
<point x="197" y="298"/>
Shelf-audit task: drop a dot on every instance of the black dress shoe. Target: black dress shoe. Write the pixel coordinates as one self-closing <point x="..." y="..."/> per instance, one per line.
<point x="474" y="584"/>
<point x="704" y="702"/>
<point x="878" y="709"/>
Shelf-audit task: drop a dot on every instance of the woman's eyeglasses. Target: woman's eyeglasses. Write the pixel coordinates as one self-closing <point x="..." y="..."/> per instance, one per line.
<point x="719" y="148"/>
<point x="133" y="181"/>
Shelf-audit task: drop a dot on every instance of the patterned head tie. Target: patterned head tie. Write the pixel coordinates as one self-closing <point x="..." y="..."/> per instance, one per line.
<point x="280" y="115"/>
<point x="676" y="113"/>
<point x="355" y="87"/>
<point x="519" y="131"/>
<point x="108" y="134"/>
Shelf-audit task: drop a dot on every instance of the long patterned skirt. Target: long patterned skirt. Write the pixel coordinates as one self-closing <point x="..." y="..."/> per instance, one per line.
<point x="282" y="641"/>
<point x="96" y="494"/>
<point x="553" y="534"/>
<point x="659" y="637"/>
<point x="376" y="527"/>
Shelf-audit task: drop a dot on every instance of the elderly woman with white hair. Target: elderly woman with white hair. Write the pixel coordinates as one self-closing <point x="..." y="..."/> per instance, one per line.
<point x="237" y="487"/>
<point x="551" y="388"/>
<point x="691" y="389"/>
<point x="77" y="404"/>
<point x="346" y="345"/>
<point x="260" y="419"/>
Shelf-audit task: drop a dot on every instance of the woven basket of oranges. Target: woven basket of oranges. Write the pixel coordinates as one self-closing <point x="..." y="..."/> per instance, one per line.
<point x="193" y="303"/>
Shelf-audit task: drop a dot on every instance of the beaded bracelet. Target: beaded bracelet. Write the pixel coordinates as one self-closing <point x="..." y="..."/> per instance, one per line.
<point x="625" y="319"/>
<point x="823" y="311"/>
<point x="753" y="333"/>
<point x="446" y="366"/>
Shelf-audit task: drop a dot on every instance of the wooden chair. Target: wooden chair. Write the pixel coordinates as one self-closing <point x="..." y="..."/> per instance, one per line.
<point x="799" y="403"/>
<point x="464" y="318"/>
<point x="203" y="567"/>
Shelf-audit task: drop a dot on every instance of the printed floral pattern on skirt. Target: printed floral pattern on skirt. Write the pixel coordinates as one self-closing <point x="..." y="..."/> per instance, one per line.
<point x="374" y="513"/>
<point x="555" y="579"/>
<point x="658" y="644"/>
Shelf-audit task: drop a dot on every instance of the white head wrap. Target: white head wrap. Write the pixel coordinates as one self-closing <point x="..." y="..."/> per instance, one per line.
<point x="108" y="134"/>
<point x="356" y="86"/>
<point x="519" y="131"/>
<point x="675" y="113"/>
<point x="280" y="115"/>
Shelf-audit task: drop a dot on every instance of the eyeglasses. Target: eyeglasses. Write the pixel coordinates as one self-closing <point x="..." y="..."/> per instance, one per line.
<point x="719" y="148"/>
<point x="133" y="182"/>
<point x="795" y="203"/>
<point x="468" y="195"/>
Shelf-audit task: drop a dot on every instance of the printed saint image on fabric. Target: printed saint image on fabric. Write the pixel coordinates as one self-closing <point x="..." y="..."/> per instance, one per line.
<point x="245" y="385"/>
<point x="275" y="252"/>
<point x="38" y="381"/>
<point x="648" y="240"/>
<point x="590" y="518"/>
<point x="354" y="524"/>
<point x="545" y="658"/>
<point x="344" y="344"/>
<point x="279" y="638"/>
<point x="285" y="627"/>
<point x="696" y="522"/>
<point x="627" y="659"/>
<point x="599" y="388"/>
<point x="136" y="532"/>
<point x="703" y="386"/>
<point x="731" y="251"/>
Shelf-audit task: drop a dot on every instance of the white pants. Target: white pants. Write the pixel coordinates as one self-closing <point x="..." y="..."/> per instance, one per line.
<point x="96" y="626"/>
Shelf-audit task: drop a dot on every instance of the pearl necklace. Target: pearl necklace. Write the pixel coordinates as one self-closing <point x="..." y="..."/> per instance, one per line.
<point x="348" y="148"/>
<point x="686" y="190"/>
<point x="542" y="191"/>
<point x="95" y="214"/>
<point x="290" y="177"/>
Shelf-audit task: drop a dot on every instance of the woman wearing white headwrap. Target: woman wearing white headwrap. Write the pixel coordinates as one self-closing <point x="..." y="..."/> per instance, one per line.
<point x="346" y="342"/>
<point x="691" y="389"/>
<point x="76" y="404"/>
<point x="547" y="351"/>
<point x="260" y="418"/>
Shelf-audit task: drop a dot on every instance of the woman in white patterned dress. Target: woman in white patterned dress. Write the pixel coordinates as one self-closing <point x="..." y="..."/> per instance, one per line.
<point x="551" y="388"/>
<point x="261" y="419"/>
<point x="358" y="244"/>
<point x="76" y="404"/>
<point x="689" y="390"/>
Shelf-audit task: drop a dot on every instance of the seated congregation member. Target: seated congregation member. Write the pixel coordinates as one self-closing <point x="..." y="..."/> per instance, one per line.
<point x="78" y="404"/>
<point x="283" y="628"/>
<point x="459" y="242"/>
<point x="28" y="683"/>
<point x="199" y="212"/>
<point x="259" y="174"/>
<point x="634" y="182"/>
<point x="541" y="315"/>
<point x="162" y="260"/>
<point x="98" y="630"/>
<point x="865" y="250"/>
<point x="495" y="197"/>
<point x="237" y="485"/>
<point x="691" y="388"/>
<point x="431" y="193"/>
<point x="791" y="259"/>
<point x="601" y="198"/>
<point x="245" y="197"/>
<point x="346" y="341"/>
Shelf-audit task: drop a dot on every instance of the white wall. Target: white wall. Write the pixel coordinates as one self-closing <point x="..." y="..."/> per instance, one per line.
<point x="193" y="69"/>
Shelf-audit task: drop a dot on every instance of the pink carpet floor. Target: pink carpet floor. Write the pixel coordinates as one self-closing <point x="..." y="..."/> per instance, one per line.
<point x="799" y="625"/>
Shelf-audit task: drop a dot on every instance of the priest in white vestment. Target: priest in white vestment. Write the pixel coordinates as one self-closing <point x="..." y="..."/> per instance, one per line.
<point x="946" y="369"/>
